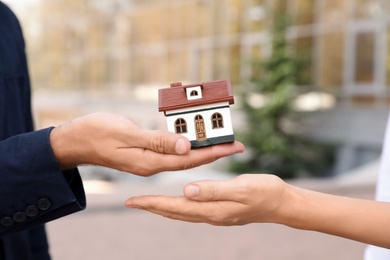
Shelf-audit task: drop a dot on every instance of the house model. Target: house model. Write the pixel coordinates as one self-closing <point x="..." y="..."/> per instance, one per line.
<point x="200" y="112"/>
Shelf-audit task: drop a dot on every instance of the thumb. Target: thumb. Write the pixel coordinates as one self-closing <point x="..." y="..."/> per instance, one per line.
<point x="209" y="191"/>
<point x="163" y="142"/>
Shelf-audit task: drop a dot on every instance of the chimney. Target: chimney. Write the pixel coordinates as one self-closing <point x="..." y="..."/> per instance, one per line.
<point x="176" y="84"/>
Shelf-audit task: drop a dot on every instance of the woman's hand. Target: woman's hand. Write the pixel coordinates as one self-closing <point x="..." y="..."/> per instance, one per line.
<point x="245" y="199"/>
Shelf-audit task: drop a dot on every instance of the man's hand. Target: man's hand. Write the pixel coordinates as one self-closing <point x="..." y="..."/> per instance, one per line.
<point x="114" y="141"/>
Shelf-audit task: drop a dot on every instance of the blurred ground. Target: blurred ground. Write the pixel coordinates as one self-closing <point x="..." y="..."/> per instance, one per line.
<point x="107" y="230"/>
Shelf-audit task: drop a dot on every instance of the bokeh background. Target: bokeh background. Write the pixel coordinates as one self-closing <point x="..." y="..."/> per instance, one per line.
<point x="113" y="55"/>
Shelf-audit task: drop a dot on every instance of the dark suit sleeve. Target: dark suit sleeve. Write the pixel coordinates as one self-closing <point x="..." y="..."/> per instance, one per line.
<point x="33" y="189"/>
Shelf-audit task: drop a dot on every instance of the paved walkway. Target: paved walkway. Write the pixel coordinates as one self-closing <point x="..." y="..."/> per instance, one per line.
<point x="107" y="230"/>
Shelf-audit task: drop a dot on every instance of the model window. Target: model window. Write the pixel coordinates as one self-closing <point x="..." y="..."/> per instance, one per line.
<point x="217" y="120"/>
<point x="181" y="126"/>
<point x="194" y="93"/>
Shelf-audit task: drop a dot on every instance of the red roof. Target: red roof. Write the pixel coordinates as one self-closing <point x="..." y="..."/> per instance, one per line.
<point x="175" y="97"/>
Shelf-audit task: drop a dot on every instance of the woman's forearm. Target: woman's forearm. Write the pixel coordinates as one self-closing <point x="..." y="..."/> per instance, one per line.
<point x="357" y="219"/>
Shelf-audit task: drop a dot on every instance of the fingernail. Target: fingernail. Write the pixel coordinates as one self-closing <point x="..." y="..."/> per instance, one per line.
<point x="192" y="191"/>
<point x="181" y="146"/>
<point x="130" y="204"/>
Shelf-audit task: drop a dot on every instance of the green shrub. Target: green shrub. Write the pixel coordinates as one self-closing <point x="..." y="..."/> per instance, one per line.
<point x="273" y="142"/>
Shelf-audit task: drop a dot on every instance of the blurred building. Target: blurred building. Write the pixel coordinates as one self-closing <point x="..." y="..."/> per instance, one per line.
<point x="116" y="46"/>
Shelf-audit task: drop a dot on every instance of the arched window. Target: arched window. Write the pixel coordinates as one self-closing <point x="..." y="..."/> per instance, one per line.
<point x="194" y="93"/>
<point x="181" y="126"/>
<point x="217" y="120"/>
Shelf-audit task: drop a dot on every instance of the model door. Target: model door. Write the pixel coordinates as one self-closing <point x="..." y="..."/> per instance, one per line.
<point x="199" y="128"/>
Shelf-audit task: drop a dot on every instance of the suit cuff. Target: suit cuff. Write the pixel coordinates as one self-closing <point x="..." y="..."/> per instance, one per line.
<point x="33" y="188"/>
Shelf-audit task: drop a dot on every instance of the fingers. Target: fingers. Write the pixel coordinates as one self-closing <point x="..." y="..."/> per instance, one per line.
<point x="162" y="142"/>
<point x="227" y="190"/>
<point x="178" y="208"/>
<point x="211" y="153"/>
<point x="170" y="207"/>
<point x="147" y="162"/>
<point x="201" y="191"/>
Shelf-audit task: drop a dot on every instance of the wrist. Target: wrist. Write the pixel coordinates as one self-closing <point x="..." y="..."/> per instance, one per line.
<point x="285" y="212"/>
<point x="278" y="199"/>
<point x="303" y="208"/>
<point x="64" y="146"/>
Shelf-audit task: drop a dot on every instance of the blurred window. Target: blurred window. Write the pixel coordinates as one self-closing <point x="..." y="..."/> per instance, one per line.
<point x="364" y="57"/>
<point x="365" y="65"/>
<point x="181" y="126"/>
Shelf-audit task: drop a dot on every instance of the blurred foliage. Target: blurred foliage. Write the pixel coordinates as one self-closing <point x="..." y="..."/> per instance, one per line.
<point x="272" y="137"/>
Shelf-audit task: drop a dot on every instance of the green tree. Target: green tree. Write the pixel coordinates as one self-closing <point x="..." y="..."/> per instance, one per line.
<point x="272" y="137"/>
